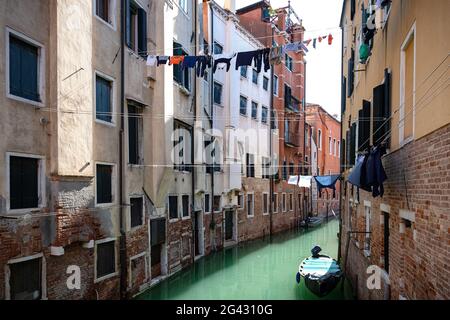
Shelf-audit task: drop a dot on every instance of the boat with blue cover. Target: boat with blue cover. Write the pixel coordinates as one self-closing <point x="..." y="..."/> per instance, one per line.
<point x="321" y="273"/>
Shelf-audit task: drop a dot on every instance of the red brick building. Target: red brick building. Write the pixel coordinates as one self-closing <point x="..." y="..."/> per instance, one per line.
<point x="326" y="132"/>
<point x="288" y="108"/>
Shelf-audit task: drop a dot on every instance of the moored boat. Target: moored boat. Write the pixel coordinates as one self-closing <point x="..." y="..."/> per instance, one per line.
<point x="321" y="272"/>
<point x="311" y="222"/>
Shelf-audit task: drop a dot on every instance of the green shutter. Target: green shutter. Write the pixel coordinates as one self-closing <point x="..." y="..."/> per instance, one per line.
<point x="142" y="30"/>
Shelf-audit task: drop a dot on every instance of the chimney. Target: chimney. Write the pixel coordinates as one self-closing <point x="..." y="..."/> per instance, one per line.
<point x="230" y="5"/>
<point x="281" y="24"/>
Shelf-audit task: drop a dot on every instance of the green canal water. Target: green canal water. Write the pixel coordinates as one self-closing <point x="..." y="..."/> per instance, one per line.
<point x="258" y="270"/>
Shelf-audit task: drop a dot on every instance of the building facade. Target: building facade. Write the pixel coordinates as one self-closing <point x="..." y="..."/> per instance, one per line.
<point x="395" y="94"/>
<point x="326" y="133"/>
<point x="288" y="85"/>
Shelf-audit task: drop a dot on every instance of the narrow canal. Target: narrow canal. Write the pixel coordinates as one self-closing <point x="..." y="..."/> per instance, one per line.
<point x="259" y="270"/>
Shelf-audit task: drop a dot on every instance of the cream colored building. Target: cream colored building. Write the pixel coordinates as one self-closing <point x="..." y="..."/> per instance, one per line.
<point x="397" y="96"/>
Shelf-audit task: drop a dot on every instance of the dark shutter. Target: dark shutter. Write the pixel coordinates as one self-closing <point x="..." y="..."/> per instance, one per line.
<point x="128" y="22"/>
<point x="387" y="103"/>
<point x="351" y="74"/>
<point x="23" y="69"/>
<point x="142" y="31"/>
<point x="347" y="150"/>
<point x="177" y="72"/>
<point x="25" y="281"/>
<point x="343" y="94"/>
<point x="23" y="183"/>
<point x="104" y="185"/>
<point x="353" y="145"/>
<point x="185" y="204"/>
<point x="173" y="207"/>
<point x="158" y="231"/>
<point x="106" y="259"/>
<point x="136" y="211"/>
<point x="352" y="8"/>
<point x="378" y="114"/>
<point x="103" y="99"/>
<point x="343" y="153"/>
<point x="133" y="135"/>
<point x="364" y="127"/>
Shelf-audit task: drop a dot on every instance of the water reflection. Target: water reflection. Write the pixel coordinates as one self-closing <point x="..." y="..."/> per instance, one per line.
<point x="261" y="269"/>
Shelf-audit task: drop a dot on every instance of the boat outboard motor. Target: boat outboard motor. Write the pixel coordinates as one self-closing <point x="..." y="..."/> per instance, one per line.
<point x="315" y="251"/>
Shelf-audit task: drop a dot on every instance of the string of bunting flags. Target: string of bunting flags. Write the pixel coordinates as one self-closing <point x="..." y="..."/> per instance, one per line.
<point x="260" y="57"/>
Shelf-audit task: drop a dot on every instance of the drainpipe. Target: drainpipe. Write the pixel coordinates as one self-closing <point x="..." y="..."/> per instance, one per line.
<point x="194" y="216"/>
<point x="272" y="127"/>
<point x="123" y="246"/>
<point x="213" y="215"/>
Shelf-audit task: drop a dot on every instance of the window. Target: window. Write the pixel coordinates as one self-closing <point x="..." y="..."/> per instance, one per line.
<point x="26" y="71"/>
<point x="136" y="28"/>
<point x="243" y="106"/>
<point x="339" y="149"/>
<point x="103" y="10"/>
<point x="135" y="129"/>
<point x="218" y="93"/>
<point x="407" y="87"/>
<point x="334" y="147"/>
<point x="180" y="75"/>
<point x="307" y="137"/>
<point x="25" y="282"/>
<point x="351" y="74"/>
<point x="103" y="99"/>
<point x="285" y="173"/>
<point x="104" y="183"/>
<point x="265" y="203"/>
<point x="137" y="212"/>
<point x="244" y="71"/>
<point x="217" y="206"/>
<point x="288" y="97"/>
<point x="319" y="137"/>
<point x="265" y="83"/>
<point x="173" y="207"/>
<point x="275" y="86"/>
<point x="207" y="203"/>
<point x="185" y="204"/>
<point x="291" y="202"/>
<point x="255" y="76"/>
<point x="250" y="205"/>
<point x="264" y="114"/>
<point x="183" y="5"/>
<point x="254" y="110"/>
<point x="330" y="145"/>
<point x="182" y="147"/>
<point x="26" y="188"/>
<point x="218" y="49"/>
<point x="266" y="168"/>
<point x="250" y="165"/>
<point x="241" y="200"/>
<point x="288" y="62"/>
<point x="275" y="203"/>
<point x="284" y="204"/>
<point x="106" y="259"/>
<point x="291" y="169"/>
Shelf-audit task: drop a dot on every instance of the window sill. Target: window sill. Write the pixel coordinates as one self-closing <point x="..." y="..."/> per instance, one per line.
<point x="250" y="217"/>
<point x="265" y="214"/>
<point x="105" y="123"/>
<point x="132" y="52"/>
<point x="37" y="104"/>
<point x="185" y="218"/>
<point x="109" y="276"/>
<point x="104" y="205"/>
<point x="24" y="211"/>
<point x="219" y="105"/>
<point x="108" y="24"/>
<point x="174" y="220"/>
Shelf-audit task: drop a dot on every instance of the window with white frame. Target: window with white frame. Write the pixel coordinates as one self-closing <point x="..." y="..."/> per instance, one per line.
<point x="26" y="177"/>
<point x="26" y="278"/>
<point x="104" y="98"/>
<point x="136" y="28"/>
<point x="186" y="206"/>
<point x="104" y="10"/>
<point x="339" y="149"/>
<point x="334" y="147"/>
<point x="283" y="202"/>
<point x="275" y="85"/>
<point x="241" y="199"/>
<point x="104" y="183"/>
<point x="250" y="205"/>
<point x="291" y="202"/>
<point x="106" y="264"/>
<point x="173" y="207"/>
<point x="182" y="147"/>
<point x="25" y="68"/>
<point x="136" y="211"/>
<point x="218" y="48"/>
<point x="218" y="89"/>
<point x="275" y="203"/>
<point x="265" y="203"/>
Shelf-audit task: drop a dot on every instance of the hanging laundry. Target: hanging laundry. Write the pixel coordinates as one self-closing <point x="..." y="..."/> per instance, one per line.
<point x="305" y="181"/>
<point x="162" y="60"/>
<point x="189" y="62"/>
<point x="263" y="56"/>
<point x="330" y="39"/>
<point x="174" y="60"/>
<point x="296" y="46"/>
<point x="314" y="43"/>
<point x="327" y="182"/>
<point x="152" y="61"/>
<point x="293" y="180"/>
<point x="246" y="58"/>
<point x="276" y="55"/>
<point x="307" y="42"/>
<point x="203" y="62"/>
<point x="226" y="61"/>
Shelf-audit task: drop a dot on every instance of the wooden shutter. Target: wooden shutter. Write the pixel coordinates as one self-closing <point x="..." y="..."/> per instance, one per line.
<point x="364" y="126"/>
<point x="133" y="135"/>
<point x="142" y="31"/>
<point x="351" y="74"/>
<point x="352" y="145"/>
<point x="352" y="9"/>
<point x="387" y="103"/>
<point x="343" y="94"/>
<point x="177" y="72"/>
<point x="378" y="114"/>
<point x="347" y="150"/>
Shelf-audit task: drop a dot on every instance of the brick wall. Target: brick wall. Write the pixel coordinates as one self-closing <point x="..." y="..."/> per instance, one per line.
<point x="418" y="181"/>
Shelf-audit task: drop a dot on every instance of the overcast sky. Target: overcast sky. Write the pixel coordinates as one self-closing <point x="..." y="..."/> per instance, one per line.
<point x="320" y="17"/>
